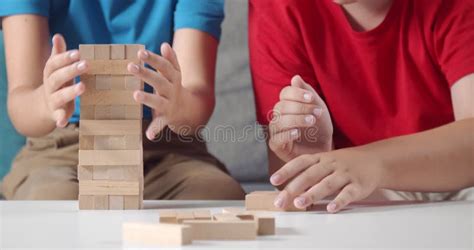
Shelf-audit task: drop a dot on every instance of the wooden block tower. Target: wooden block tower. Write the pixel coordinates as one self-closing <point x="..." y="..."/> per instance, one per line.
<point x="110" y="169"/>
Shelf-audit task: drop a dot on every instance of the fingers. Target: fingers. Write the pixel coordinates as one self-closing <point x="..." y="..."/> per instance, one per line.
<point x="298" y="82"/>
<point x="288" y="122"/>
<point x="292" y="168"/>
<point x="328" y="186"/>
<point x="59" y="115"/>
<point x="282" y="143"/>
<point x="170" y="55"/>
<point x="65" y="95"/>
<point x="155" y="127"/>
<point x="59" y="44"/>
<point x="66" y="74"/>
<point x="155" y="79"/>
<point x="285" y="107"/>
<point x="348" y="195"/>
<point x="153" y="101"/>
<point x="160" y="64"/>
<point x="291" y="93"/>
<point x="55" y="62"/>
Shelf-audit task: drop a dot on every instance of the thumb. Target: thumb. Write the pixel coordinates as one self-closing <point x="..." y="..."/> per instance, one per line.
<point x="59" y="44"/>
<point x="297" y="81"/>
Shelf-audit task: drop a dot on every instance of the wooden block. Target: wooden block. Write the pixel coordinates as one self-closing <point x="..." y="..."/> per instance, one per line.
<point x="118" y="82"/>
<point x="168" y="216"/>
<point x="222" y="230"/>
<point x="86" y="142"/>
<point x="133" y="83"/>
<point x="117" y="112"/>
<point x="109" y="142"/>
<point x="131" y="51"/>
<point x="108" y="67"/>
<point x="225" y="217"/>
<point x="110" y="157"/>
<point x="133" y="141"/>
<point x="265" y="223"/>
<point x="99" y="173"/>
<point x="102" y="51"/>
<point x="184" y="215"/>
<point x="116" y="173"/>
<point x="132" y="202"/>
<point x="116" y="202"/>
<point x="233" y="210"/>
<point x="87" y="112"/>
<point x="202" y="215"/>
<point x="101" y="202"/>
<point x="86" y="51"/>
<point x="110" y="127"/>
<point x="86" y="202"/>
<point x="133" y="112"/>
<point x="157" y="234"/>
<point x="263" y="200"/>
<point x="84" y="172"/>
<point x="89" y="82"/>
<point x="117" y="51"/>
<point x="102" y="112"/>
<point x="132" y="172"/>
<point x="107" y="187"/>
<point x="111" y="97"/>
<point x="102" y="82"/>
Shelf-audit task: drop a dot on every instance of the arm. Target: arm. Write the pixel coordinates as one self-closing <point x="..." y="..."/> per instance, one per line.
<point x="184" y="87"/>
<point x="438" y="160"/>
<point x="40" y="78"/>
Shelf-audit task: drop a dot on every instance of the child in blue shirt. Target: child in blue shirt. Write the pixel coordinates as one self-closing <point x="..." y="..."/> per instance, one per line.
<point x="43" y="99"/>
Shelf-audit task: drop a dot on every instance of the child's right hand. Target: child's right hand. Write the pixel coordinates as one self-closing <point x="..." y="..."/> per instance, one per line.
<point x="58" y="79"/>
<point x="301" y="122"/>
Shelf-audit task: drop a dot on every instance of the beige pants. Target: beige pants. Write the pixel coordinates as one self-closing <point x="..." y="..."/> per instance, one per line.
<point x="46" y="169"/>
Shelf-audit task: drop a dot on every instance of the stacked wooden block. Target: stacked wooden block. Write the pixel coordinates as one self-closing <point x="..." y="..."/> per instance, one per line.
<point x="110" y="169"/>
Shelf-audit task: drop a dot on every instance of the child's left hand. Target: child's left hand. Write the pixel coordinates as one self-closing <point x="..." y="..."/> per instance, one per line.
<point x="167" y="98"/>
<point x="353" y="174"/>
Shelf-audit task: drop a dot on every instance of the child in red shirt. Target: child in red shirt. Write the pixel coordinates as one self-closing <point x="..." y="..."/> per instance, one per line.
<point x="381" y="96"/>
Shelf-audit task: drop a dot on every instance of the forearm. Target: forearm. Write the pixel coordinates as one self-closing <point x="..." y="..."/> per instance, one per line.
<point x="27" y="111"/>
<point x="197" y="108"/>
<point x="438" y="160"/>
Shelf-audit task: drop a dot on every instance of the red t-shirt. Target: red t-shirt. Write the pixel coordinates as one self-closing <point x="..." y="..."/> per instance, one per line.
<point x="392" y="80"/>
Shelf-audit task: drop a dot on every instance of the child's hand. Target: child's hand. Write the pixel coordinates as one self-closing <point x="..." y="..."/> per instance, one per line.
<point x="167" y="99"/>
<point x="353" y="174"/>
<point x="58" y="76"/>
<point x="301" y="123"/>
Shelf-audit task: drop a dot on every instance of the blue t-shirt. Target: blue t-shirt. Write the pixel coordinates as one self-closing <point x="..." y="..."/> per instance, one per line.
<point x="147" y="22"/>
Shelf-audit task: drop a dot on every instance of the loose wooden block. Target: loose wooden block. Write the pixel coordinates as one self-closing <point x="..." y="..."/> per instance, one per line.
<point x="86" y="202"/>
<point x="265" y="223"/>
<point x="101" y="202"/>
<point x="110" y="157"/>
<point x="157" y="234"/>
<point x="107" y="187"/>
<point x="84" y="172"/>
<point x="112" y="97"/>
<point x="102" y="51"/>
<point x="263" y="200"/>
<point x="168" y="216"/>
<point x="184" y="215"/>
<point x="116" y="202"/>
<point x="132" y="202"/>
<point x="108" y="67"/>
<point x="202" y="215"/>
<point x="110" y="127"/>
<point x="117" y="51"/>
<point x="226" y="217"/>
<point x="222" y="230"/>
<point x="86" y="51"/>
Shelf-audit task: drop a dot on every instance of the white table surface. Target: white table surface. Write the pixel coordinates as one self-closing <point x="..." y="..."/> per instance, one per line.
<point x="59" y="224"/>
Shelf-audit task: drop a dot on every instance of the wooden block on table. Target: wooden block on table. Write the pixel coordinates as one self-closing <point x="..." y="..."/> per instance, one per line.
<point x="86" y="51"/>
<point x="233" y="210"/>
<point x="107" y="187"/>
<point x="184" y="215"/>
<point x="101" y="202"/>
<point x="86" y="202"/>
<point x="202" y="215"/>
<point x="265" y="223"/>
<point x="111" y="97"/>
<point x="108" y="67"/>
<point x="225" y="217"/>
<point x="168" y="216"/>
<point x="110" y="127"/>
<point x="263" y="200"/>
<point x="132" y="202"/>
<point x="84" y="172"/>
<point x="102" y="52"/>
<point x="222" y="230"/>
<point x="110" y="157"/>
<point x="116" y="202"/>
<point x="157" y="234"/>
<point x="117" y="51"/>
